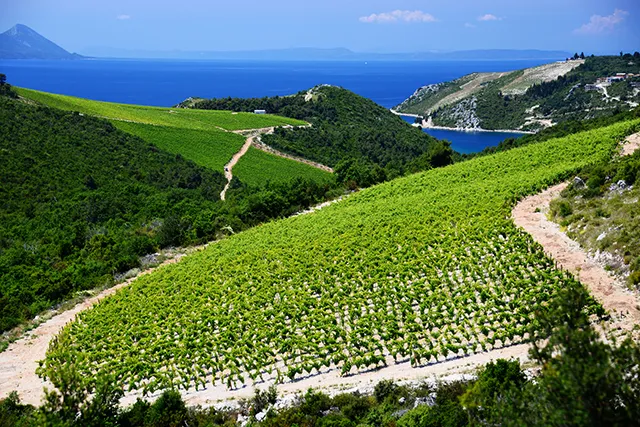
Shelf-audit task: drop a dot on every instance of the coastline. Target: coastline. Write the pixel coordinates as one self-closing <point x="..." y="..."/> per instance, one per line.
<point x="428" y="125"/>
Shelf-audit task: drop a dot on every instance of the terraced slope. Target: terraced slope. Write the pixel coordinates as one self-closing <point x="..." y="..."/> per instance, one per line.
<point x="424" y="268"/>
<point x="201" y="136"/>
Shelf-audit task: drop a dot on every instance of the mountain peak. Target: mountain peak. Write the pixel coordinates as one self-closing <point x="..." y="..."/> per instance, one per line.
<point x="22" y="42"/>
<point x="21" y="30"/>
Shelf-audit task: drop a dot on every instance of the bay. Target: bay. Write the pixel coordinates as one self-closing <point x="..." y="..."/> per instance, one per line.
<point x="168" y="82"/>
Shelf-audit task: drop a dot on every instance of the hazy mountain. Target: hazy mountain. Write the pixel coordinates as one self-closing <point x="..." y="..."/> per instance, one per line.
<point x="337" y="54"/>
<point x="21" y="42"/>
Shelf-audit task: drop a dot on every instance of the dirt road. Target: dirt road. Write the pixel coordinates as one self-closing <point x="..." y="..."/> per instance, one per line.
<point x="531" y="215"/>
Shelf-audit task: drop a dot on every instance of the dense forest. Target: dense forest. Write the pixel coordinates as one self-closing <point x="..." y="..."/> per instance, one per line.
<point x="82" y="201"/>
<point x="362" y="141"/>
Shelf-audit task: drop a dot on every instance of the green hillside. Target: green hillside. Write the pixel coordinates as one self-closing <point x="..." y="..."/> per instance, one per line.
<point x="530" y="99"/>
<point x="82" y="201"/>
<point x="208" y="148"/>
<point x="423" y="267"/>
<point x="175" y="117"/>
<point x="257" y="167"/>
<point x="360" y="139"/>
<point x="200" y="136"/>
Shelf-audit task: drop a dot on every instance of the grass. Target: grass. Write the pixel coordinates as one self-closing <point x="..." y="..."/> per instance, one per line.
<point x="198" y="135"/>
<point x="425" y="267"/>
<point x="257" y="167"/>
<point x="174" y="117"/>
<point x="211" y="149"/>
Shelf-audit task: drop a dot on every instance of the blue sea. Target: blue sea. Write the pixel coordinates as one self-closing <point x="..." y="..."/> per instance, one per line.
<point x="168" y="82"/>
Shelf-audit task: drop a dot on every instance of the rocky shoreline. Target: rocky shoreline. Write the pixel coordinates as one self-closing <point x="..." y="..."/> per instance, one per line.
<point x="428" y="124"/>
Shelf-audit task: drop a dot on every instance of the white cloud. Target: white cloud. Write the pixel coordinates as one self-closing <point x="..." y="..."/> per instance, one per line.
<point x="398" y="16"/>
<point x="602" y="24"/>
<point x="468" y="25"/>
<point x="123" y="17"/>
<point x="489" y="17"/>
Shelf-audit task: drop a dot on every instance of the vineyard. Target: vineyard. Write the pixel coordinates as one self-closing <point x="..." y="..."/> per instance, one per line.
<point x="199" y="135"/>
<point x="175" y="117"/>
<point x="422" y="268"/>
<point x="211" y="149"/>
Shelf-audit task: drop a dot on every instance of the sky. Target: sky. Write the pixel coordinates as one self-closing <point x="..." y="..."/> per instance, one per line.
<point x="590" y="26"/>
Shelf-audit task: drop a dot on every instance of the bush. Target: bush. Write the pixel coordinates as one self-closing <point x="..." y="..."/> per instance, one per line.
<point x="168" y="411"/>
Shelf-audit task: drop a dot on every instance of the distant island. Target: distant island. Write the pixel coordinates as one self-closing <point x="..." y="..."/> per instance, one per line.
<point x="21" y="42"/>
<point x="337" y="54"/>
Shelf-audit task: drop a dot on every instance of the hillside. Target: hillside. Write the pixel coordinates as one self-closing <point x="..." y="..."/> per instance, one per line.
<point x="21" y="42"/>
<point x="600" y="210"/>
<point x="361" y="140"/>
<point x="422" y="268"/>
<point x="83" y="201"/>
<point x="529" y="99"/>
<point x="205" y="137"/>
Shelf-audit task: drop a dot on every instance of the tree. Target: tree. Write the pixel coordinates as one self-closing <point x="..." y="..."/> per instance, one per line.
<point x="3" y="79"/>
<point x="581" y="55"/>
<point x="584" y="380"/>
<point x="636" y="55"/>
<point x="72" y="404"/>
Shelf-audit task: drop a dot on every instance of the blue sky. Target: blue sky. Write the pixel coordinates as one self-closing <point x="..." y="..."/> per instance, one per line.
<point x="604" y="26"/>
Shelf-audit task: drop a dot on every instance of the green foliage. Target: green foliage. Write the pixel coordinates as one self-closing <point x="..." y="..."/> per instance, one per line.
<point x="263" y="398"/>
<point x="82" y="201"/>
<point x="209" y="148"/>
<point x="172" y="117"/>
<point x="168" y="411"/>
<point x="344" y="126"/>
<point x="495" y="382"/>
<point x="196" y="135"/>
<point x="558" y="131"/>
<point x="15" y="414"/>
<point x="447" y="411"/>
<point x="5" y="88"/>
<point x="257" y="167"/>
<point x="563" y="99"/>
<point x="584" y="381"/>
<point x="71" y="404"/>
<point x="295" y="289"/>
<point x="602" y="216"/>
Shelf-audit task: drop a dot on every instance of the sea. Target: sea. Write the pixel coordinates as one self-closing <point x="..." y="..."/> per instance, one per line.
<point x="168" y="82"/>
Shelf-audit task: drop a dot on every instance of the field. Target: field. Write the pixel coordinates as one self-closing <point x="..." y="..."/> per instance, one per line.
<point x="424" y="268"/>
<point x="199" y="135"/>
<point x="257" y="167"/>
<point x="175" y="117"/>
<point x="208" y="148"/>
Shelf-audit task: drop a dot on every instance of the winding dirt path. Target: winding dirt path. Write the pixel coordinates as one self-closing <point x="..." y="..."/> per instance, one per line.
<point x="257" y="143"/>
<point x="228" y="168"/>
<point x="18" y="363"/>
<point x="253" y="138"/>
<point x="531" y="215"/>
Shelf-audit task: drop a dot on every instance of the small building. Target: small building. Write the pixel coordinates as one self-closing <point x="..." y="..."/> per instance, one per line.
<point x="612" y="79"/>
<point x="259" y="111"/>
<point x="590" y="87"/>
<point x="635" y="85"/>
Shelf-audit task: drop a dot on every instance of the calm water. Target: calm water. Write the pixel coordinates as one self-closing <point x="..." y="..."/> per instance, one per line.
<point x="468" y="142"/>
<point x="166" y="83"/>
